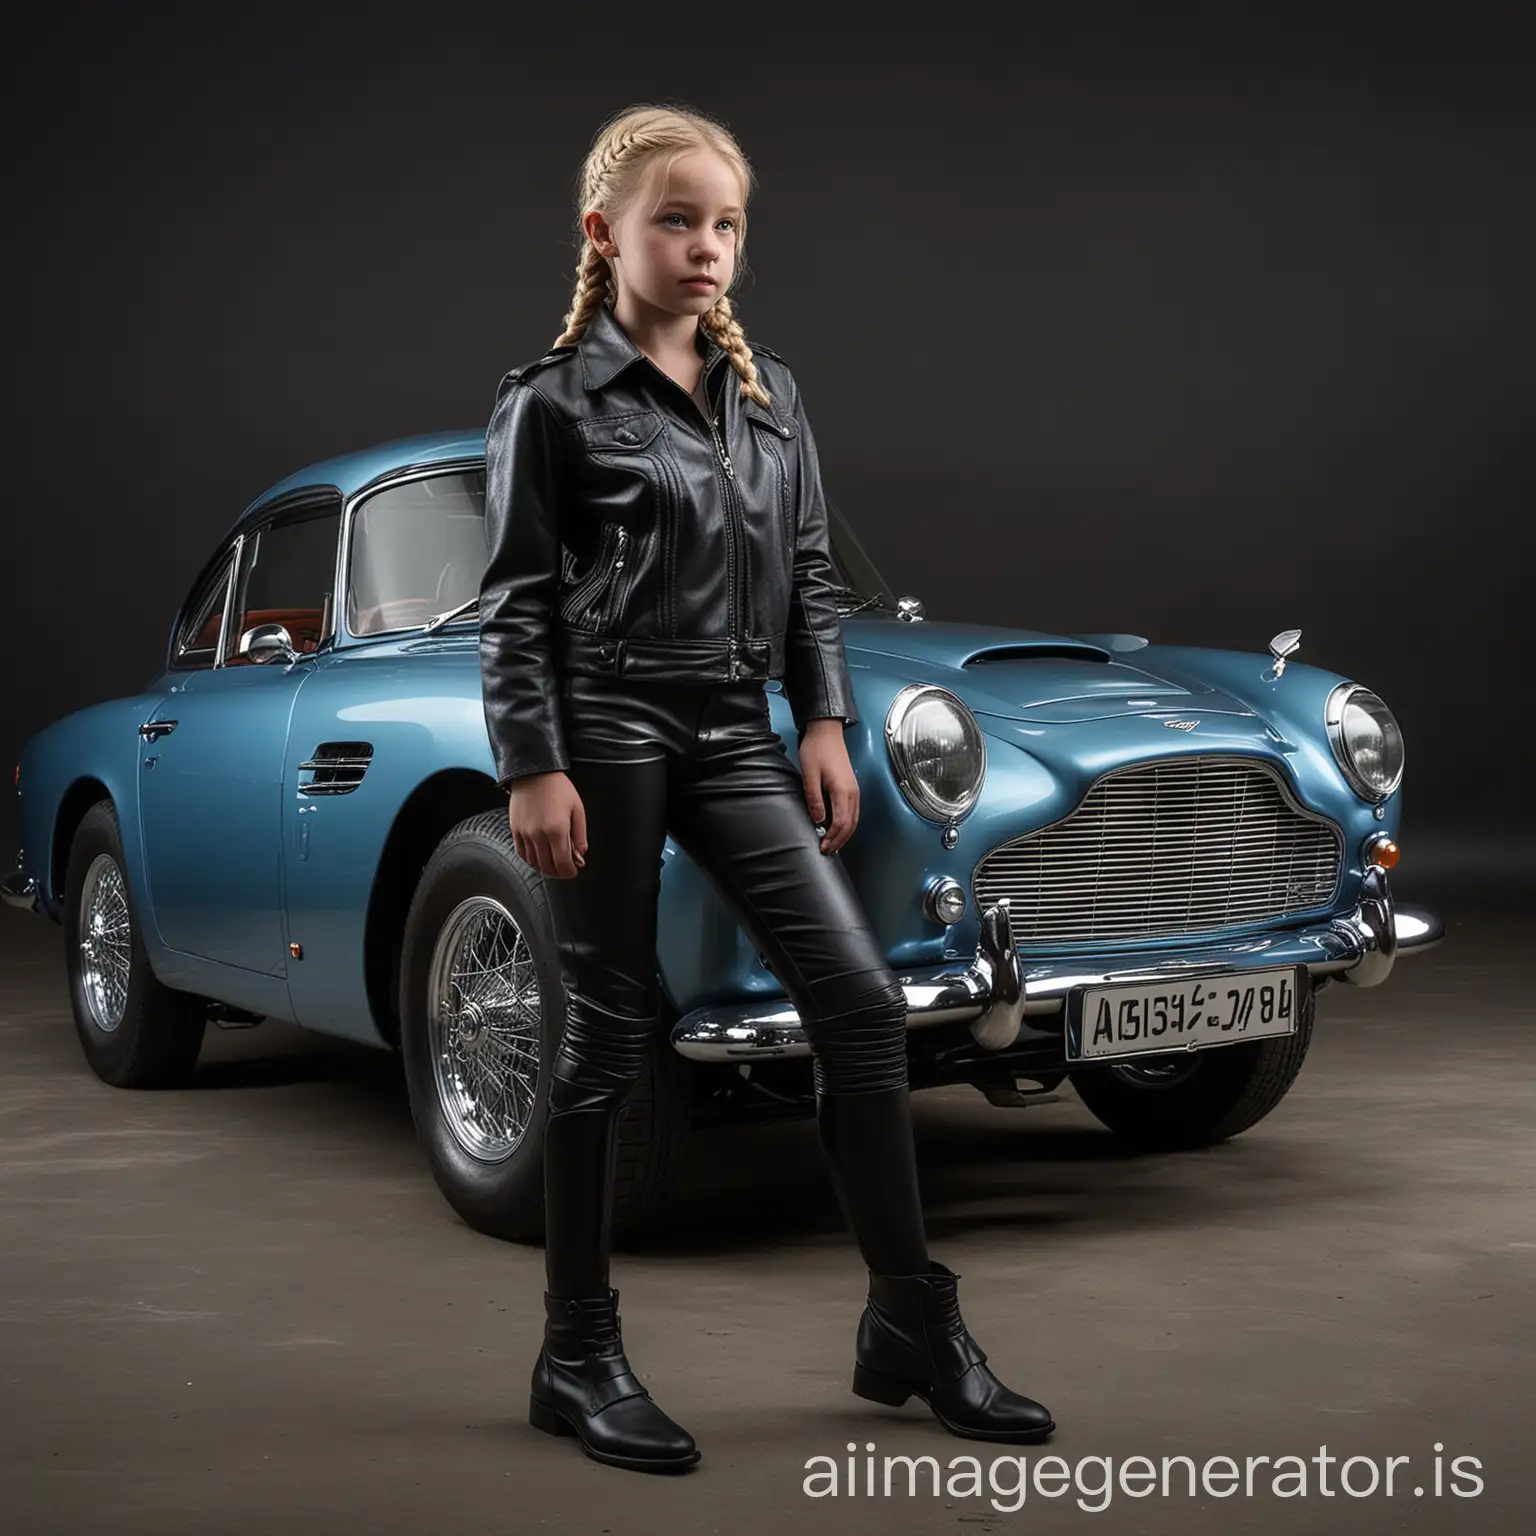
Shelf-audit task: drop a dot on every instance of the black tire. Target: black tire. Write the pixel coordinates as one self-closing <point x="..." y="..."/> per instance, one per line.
<point x="498" y="1189"/>
<point x="1221" y="1092"/>
<point x="158" y="1032"/>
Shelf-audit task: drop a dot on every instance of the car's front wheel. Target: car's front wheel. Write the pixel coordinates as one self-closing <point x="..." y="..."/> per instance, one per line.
<point x="482" y="1011"/>
<point x="135" y="1031"/>
<point x="1195" y="1098"/>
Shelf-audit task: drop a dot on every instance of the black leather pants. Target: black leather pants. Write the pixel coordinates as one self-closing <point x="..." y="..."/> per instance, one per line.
<point x="703" y="762"/>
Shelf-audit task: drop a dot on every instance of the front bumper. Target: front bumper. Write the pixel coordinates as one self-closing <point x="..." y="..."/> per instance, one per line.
<point x="996" y="990"/>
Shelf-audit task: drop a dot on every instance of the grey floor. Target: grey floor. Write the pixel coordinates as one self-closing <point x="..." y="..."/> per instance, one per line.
<point x="245" y="1307"/>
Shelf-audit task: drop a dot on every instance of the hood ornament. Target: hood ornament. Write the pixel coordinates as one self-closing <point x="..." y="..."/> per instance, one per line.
<point x="1283" y="645"/>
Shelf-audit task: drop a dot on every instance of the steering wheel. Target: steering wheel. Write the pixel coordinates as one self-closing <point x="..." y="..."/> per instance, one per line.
<point x="397" y="613"/>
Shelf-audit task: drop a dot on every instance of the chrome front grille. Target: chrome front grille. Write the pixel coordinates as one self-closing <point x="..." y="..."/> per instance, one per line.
<point x="1187" y="845"/>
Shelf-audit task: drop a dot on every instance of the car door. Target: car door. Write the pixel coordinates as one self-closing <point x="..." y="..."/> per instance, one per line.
<point x="211" y="769"/>
<point x="363" y="733"/>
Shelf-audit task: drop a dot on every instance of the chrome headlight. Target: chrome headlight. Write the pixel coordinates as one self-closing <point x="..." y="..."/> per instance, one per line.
<point x="1366" y="739"/>
<point x="937" y="751"/>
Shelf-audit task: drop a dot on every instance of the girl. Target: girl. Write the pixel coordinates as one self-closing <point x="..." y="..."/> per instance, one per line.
<point x="658" y="548"/>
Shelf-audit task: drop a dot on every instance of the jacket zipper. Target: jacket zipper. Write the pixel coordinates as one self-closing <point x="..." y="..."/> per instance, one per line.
<point x="738" y="575"/>
<point x="587" y="592"/>
<point x="735" y="531"/>
<point x="610" y="614"/>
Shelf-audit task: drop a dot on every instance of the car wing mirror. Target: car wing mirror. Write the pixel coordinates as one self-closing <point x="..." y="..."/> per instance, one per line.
<point x="267" y="642"/>
<point x="1283" y="645"/>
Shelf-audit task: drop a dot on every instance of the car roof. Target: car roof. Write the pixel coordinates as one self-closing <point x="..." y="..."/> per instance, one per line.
<point x="350" y="472"/>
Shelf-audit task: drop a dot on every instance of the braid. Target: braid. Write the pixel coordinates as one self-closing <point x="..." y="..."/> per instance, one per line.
<point x="594" y="277"/>
<point x="721" y="323"/>
<point x="594" y="283"/>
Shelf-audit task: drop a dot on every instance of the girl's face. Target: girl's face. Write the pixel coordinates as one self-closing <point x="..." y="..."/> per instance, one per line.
<point x="680" y="227"/>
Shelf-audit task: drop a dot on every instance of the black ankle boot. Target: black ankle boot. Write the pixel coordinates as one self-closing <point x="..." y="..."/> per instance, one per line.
<point x="911" y="1340"/>
<point x="583" y="1386"/>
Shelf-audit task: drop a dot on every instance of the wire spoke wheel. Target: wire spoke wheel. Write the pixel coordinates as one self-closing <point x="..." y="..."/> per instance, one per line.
<point x="136" y="1031"/>
<point x="105" y="942"/>
<point x="483" y="1019"/>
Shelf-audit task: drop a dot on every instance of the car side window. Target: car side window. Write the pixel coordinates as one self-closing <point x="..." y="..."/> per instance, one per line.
<point x="197" y="636"/>
<point x="287" y="575"/>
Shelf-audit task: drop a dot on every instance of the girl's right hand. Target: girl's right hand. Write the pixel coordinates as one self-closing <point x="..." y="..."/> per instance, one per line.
<point x="549" y="824"/>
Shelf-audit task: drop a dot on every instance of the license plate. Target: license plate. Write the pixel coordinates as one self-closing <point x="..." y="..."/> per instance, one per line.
<point x="1180" y="1015"/>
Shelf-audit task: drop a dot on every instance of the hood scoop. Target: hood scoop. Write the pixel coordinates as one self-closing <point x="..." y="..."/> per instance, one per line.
<point x="1036" y="650"/>
<point x="1061" y="684"/>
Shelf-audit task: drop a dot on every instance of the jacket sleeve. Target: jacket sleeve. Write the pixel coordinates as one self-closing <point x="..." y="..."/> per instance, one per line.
<point x="816" y="680"/>
<point x="519" y="589"/>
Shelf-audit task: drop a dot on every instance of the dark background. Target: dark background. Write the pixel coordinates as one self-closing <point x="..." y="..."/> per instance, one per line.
<point x="1196" y="324"/>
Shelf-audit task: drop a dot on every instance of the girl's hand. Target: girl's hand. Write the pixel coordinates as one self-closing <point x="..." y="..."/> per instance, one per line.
<point x="829" y="778"/>
<point x="549" y="823"/>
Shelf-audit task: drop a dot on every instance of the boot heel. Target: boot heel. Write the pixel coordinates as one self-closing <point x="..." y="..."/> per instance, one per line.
<point x="542" y="1416"/>
<point x="879" y="1389"/>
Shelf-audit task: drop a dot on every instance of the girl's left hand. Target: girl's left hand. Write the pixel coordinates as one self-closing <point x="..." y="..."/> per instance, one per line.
<point x="829" y="780"/>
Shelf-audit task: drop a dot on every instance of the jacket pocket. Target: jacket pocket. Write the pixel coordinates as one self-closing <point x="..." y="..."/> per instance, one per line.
<point x="629" y="433"/>
<point x="588" y="593"/>
<point x="630" y="556"/>
<point x="772" y="435"/>
<point x="761" y="416"/>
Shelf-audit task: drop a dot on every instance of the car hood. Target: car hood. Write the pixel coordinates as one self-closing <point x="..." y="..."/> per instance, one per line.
<point x="1028" y="674"/>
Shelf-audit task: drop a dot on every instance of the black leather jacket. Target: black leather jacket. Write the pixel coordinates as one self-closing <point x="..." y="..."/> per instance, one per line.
<point x="630" y="536"/>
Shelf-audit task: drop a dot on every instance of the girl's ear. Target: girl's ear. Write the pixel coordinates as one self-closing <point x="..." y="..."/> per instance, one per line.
<point x="598" y="231"/>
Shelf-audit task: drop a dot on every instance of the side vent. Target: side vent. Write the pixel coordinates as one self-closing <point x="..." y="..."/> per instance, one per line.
<point x="337" y="767"/>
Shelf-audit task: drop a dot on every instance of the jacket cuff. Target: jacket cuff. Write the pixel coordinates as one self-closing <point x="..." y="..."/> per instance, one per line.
<point x="819" y="687"/>
<point x="524" y="767"/>
<point x="801" y="726"/>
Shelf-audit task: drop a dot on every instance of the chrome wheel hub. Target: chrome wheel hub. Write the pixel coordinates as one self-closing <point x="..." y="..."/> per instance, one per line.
<point x="471" y="1028"/>
<point x="483" y="1015"/>
<point x="105" y="943"/>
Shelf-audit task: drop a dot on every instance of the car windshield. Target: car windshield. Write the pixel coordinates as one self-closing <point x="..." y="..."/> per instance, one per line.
<point x="419" y="552"/>
<point x="859" y="582"/>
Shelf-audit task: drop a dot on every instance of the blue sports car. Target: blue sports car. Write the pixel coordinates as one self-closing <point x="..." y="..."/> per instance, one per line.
<point x="1087" y="856"/>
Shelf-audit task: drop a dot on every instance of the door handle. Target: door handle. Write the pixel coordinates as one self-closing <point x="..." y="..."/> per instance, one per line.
<point x="150" y="729"/>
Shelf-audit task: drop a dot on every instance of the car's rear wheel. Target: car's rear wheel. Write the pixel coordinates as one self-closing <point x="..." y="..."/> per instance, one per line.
<point x="135" y="1031"/>
<point x="482" y="1011"/>
<point x="1195" y="1098"/>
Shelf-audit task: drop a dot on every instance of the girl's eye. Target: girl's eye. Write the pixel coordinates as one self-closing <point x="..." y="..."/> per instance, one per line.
<point x="731" y="222"/>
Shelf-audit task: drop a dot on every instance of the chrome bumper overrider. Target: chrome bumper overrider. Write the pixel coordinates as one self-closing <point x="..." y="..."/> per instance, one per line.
<point x="19" y="889"/>
<point x="996" y="990"/>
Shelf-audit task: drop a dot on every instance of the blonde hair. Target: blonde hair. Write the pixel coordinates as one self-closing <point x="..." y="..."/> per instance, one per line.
<point x="612" y="176"/>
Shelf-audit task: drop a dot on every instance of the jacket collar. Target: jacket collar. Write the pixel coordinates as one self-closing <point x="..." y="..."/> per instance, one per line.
<point x="606" y="349"/>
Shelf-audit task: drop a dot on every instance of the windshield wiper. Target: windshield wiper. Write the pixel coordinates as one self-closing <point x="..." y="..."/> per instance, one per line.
<point x="840" y="591"/>
<point x="439" y="619"/>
